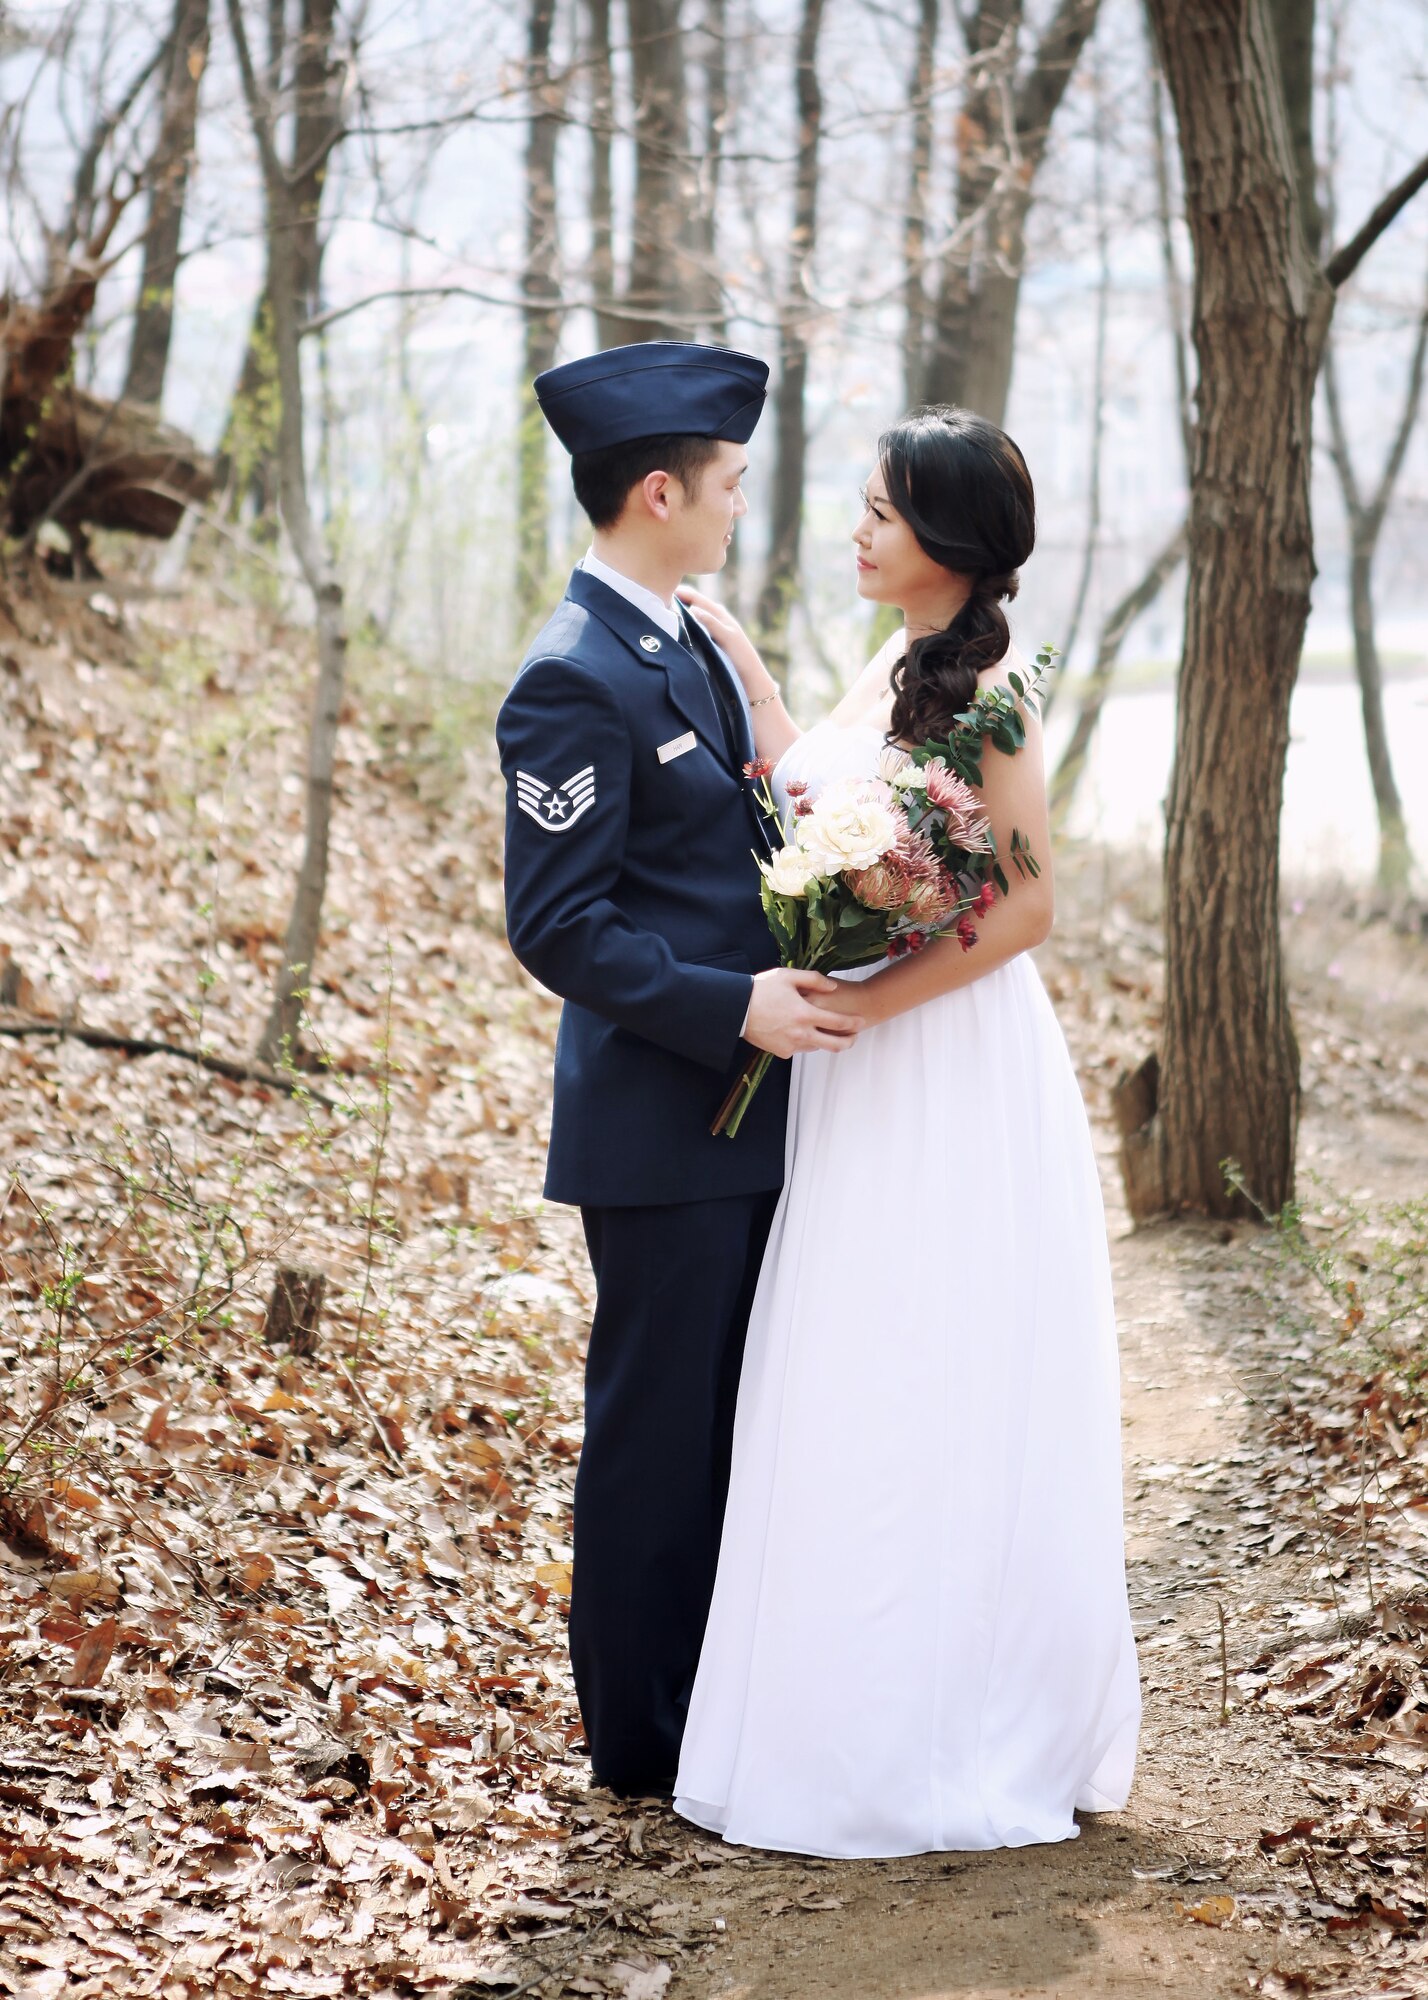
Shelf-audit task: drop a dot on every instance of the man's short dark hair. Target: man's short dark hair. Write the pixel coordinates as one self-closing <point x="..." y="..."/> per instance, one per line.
<point x="604" y="480"/>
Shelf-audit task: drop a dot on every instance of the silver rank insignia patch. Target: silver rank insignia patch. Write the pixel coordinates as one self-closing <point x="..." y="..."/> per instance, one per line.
<point x="556" y="807"/>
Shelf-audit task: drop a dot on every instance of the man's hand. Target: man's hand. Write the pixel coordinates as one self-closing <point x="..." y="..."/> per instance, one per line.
<point x="786" y="1019"/>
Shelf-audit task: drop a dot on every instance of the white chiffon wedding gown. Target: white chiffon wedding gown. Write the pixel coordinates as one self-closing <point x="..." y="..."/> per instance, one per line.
<point x="919" y="1636"/>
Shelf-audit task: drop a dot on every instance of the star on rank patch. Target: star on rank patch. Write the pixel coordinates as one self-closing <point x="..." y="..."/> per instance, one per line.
<point x="556" y="807"/>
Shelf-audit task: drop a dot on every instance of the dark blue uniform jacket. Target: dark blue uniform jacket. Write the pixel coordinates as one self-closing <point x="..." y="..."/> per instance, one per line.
<point x="632" y="892"/>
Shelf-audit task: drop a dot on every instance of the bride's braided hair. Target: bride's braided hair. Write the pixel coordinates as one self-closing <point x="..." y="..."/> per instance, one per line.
<point x="963" y="488"/>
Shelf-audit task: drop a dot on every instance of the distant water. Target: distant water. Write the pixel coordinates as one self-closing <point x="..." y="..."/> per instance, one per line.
<point x="1328" y="826"/>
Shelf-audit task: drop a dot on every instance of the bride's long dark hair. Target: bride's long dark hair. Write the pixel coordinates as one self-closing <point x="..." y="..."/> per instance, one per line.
<point x="963" y="488"/>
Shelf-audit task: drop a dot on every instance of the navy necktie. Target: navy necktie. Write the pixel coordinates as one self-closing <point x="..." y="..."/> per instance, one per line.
<point x="691" y="637"/>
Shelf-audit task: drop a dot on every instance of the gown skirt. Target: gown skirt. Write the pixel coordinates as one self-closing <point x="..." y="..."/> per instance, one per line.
<point x="919" y="1637"/>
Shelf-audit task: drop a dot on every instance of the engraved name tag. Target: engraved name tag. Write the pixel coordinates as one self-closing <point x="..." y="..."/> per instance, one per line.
<point x="677" y="746"/>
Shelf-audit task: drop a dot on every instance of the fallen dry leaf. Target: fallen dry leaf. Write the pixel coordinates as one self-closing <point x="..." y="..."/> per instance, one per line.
<point x="93" y="1654"/>
<point x="1214" y="1910"/>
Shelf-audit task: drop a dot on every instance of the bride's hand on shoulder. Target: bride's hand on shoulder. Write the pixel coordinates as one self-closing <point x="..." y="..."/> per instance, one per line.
<point x="726" y="631"/>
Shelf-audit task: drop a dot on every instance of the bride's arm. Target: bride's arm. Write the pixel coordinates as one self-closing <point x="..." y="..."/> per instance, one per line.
<point x="1014" y="791"/>
<point x="774" y="727"/>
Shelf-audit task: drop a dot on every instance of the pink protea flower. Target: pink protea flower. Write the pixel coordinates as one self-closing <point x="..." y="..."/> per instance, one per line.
<point x="886" y="885"/>
<point x="967" y="824"/>
<point x="918" y="856"/>
<point x="933" y="898"/>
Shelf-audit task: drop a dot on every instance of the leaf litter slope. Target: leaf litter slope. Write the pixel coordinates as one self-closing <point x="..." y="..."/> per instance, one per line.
<point x="286" y="1703"/>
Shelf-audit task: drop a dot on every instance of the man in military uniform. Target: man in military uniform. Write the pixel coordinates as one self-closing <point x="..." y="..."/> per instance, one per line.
<point x="631" y="891"/>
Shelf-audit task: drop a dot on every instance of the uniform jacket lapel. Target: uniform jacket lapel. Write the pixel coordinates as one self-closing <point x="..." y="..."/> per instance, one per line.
<point x="688" y="689"/>
<point x="770" y="835"/>
<point x="720" y="663"/>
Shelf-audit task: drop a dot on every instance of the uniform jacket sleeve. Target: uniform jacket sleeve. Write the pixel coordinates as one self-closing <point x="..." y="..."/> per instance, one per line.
<point x="559" y="728"/>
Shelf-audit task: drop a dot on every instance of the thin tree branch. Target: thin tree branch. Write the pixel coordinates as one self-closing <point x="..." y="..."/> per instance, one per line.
<point x="1339" y="441"/>
<point x="1393" y="465"/>
<point x="1045" y="83"/>
<point x="147" y="1045"/>
<point x="273" y="169"/>
<point x="1346" y="260"/>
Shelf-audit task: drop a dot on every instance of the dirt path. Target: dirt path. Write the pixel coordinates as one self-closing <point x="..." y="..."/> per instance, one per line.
<point x="1139" y="1904"/>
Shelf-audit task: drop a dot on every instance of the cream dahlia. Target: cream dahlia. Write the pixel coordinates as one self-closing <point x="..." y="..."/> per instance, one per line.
<point x="850" y="826"/>
<point x="788" y="872"/>
<point x="893" y="764"/>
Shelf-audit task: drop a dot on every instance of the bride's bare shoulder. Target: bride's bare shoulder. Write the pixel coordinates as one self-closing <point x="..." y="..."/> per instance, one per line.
<point x="1013" y="661"/>
<point x="869" y="690"/>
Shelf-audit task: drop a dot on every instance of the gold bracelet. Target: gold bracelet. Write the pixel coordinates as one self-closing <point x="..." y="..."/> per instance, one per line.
<point x="764" y="699"/>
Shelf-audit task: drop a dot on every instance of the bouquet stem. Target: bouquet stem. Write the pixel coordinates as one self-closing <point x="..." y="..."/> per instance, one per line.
<point x="730" y="1115"/>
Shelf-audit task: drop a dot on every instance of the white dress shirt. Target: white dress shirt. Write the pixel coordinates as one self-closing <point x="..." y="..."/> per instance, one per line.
<point x="649" y="601"/>
<point x="666" y="616"/>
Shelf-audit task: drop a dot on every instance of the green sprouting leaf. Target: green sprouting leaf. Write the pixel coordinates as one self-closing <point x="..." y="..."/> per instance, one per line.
<point x="1017" y="683"/>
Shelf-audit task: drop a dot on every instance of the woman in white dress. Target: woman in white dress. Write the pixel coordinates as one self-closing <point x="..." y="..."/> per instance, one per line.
<point x="919" y="1636"/>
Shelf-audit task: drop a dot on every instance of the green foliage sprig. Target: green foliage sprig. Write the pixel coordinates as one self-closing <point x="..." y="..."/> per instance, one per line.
<point x="993" y="716"/>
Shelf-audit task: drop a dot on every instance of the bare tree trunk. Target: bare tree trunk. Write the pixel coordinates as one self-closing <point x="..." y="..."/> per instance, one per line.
<point x="655" y="303"/>
<point x="1366" y="519"/>
<point x="1229" y="1062"/>
<point x="1071" y="767"/>
<point x="609" y="329"/>
<point x="1395" y="858"/>
<point x="1174" y="284"/>
<point x="1292" y="22"/>
<point x="980" y="145"/>
<point x="1098" y="401"/>
<point x="250" y="435"/>
<point x="715" y="68"/>
<point x="411" y="453"/>
<point x="292" y="196"/>
<point x="539" y="281"/>
<point x="1002" y="128"/>
<point x="1137" y="600"/>
<point x="1228" y="1071"/>
<point x="914" y="224"/>
<point x="168" y="174"/>
<point x="780" y="578"/>
<point x="717" y="113"/>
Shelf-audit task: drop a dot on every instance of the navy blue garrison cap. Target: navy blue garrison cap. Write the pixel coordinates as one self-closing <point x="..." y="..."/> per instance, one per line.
<point x="652" y="388"/>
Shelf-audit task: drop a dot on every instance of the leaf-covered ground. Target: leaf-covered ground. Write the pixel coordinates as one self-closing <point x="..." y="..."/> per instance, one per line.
<point x="285" y="1699"/>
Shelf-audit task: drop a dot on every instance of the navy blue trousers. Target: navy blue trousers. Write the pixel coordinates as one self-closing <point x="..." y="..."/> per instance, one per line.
<point x="673" y="1290"/>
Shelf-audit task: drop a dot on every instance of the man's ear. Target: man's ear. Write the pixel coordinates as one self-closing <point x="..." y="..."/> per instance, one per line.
<point x="655" y="489"/>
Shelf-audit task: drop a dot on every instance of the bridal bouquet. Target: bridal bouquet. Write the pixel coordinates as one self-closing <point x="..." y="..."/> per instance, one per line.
<point x="875" y="867"/>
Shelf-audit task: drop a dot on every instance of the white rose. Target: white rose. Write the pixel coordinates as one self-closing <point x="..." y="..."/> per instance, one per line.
<point x="847" y="828"/>
<point x="789" y="872"/>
